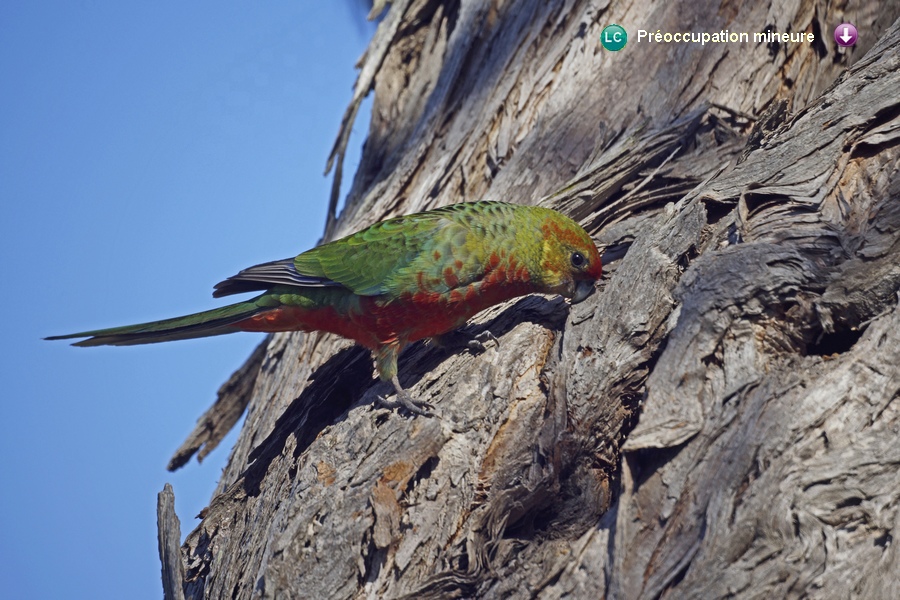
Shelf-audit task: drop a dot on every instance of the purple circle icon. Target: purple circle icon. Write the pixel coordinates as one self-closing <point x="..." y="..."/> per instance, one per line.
<point x="845" y="34"/>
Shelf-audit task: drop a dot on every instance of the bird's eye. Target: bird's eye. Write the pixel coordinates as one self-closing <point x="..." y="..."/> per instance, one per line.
<point x="578" y="260"/>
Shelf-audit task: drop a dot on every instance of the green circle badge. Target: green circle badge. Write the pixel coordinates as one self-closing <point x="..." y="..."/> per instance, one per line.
<point x="613" y="37"/>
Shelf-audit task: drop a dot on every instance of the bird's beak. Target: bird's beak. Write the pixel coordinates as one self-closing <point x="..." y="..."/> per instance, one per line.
<point x="583" y="289"/>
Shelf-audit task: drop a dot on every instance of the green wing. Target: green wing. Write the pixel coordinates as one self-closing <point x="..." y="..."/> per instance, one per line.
<point x="370" y="262"/>
<point x="389" y="257"/>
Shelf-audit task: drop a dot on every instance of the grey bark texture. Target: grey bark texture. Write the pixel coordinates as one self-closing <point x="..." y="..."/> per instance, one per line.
<point x="719" y="420"/>
<point x="169" y="533"/>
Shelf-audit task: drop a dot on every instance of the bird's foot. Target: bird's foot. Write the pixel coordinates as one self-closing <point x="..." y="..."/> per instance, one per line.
<point x="457" y="338"/>
<point x="477" y="343"/>
<point x="405" y="400"/>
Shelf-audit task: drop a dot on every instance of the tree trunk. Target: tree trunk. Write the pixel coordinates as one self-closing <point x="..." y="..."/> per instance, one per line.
<point x="716" y="421"/>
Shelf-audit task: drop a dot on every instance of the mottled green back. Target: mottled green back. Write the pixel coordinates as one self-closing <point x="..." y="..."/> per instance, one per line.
<point x="400" y="255"/>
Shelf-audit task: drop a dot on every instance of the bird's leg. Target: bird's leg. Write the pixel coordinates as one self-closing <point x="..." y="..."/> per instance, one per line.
<point x="386" y="364"/>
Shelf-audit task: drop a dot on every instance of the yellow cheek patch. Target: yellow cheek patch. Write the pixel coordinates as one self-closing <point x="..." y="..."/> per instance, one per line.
<point x="550" y="258"/>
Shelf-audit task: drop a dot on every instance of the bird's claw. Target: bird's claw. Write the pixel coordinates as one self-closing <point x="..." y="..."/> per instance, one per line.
<point x="417" y="407"/>
<point x="405" y="400"/>
<point x="477" y="343"/>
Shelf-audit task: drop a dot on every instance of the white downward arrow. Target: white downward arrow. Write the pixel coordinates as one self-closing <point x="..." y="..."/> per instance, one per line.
<point x="846" y="35"/>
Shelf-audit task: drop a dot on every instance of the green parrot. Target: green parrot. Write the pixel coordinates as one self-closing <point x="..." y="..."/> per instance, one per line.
<point x="396" y="282"/>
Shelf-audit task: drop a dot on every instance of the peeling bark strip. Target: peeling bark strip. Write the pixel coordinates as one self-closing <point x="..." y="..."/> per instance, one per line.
<point x="214" y="425"/>
<point x="169" y="533"/>
<point x="718" y="421"/>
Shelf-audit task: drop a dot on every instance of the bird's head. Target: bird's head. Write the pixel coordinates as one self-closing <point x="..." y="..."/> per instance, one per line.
<point x="570" y="262"/>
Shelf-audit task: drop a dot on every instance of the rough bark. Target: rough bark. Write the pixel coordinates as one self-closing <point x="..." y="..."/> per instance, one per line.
<point x="716" y="421"/>
<point x="230" y="404"/>
<point x="169" y="533"/>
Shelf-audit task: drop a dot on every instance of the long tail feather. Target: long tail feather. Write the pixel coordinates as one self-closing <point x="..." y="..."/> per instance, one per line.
<point x="212" y="322"/>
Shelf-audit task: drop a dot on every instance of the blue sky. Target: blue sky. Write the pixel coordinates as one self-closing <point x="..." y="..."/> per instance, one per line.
<point x="148" y="151"/>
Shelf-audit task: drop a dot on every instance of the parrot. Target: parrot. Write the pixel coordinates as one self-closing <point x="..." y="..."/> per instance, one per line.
<point x="396" y="282"/>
